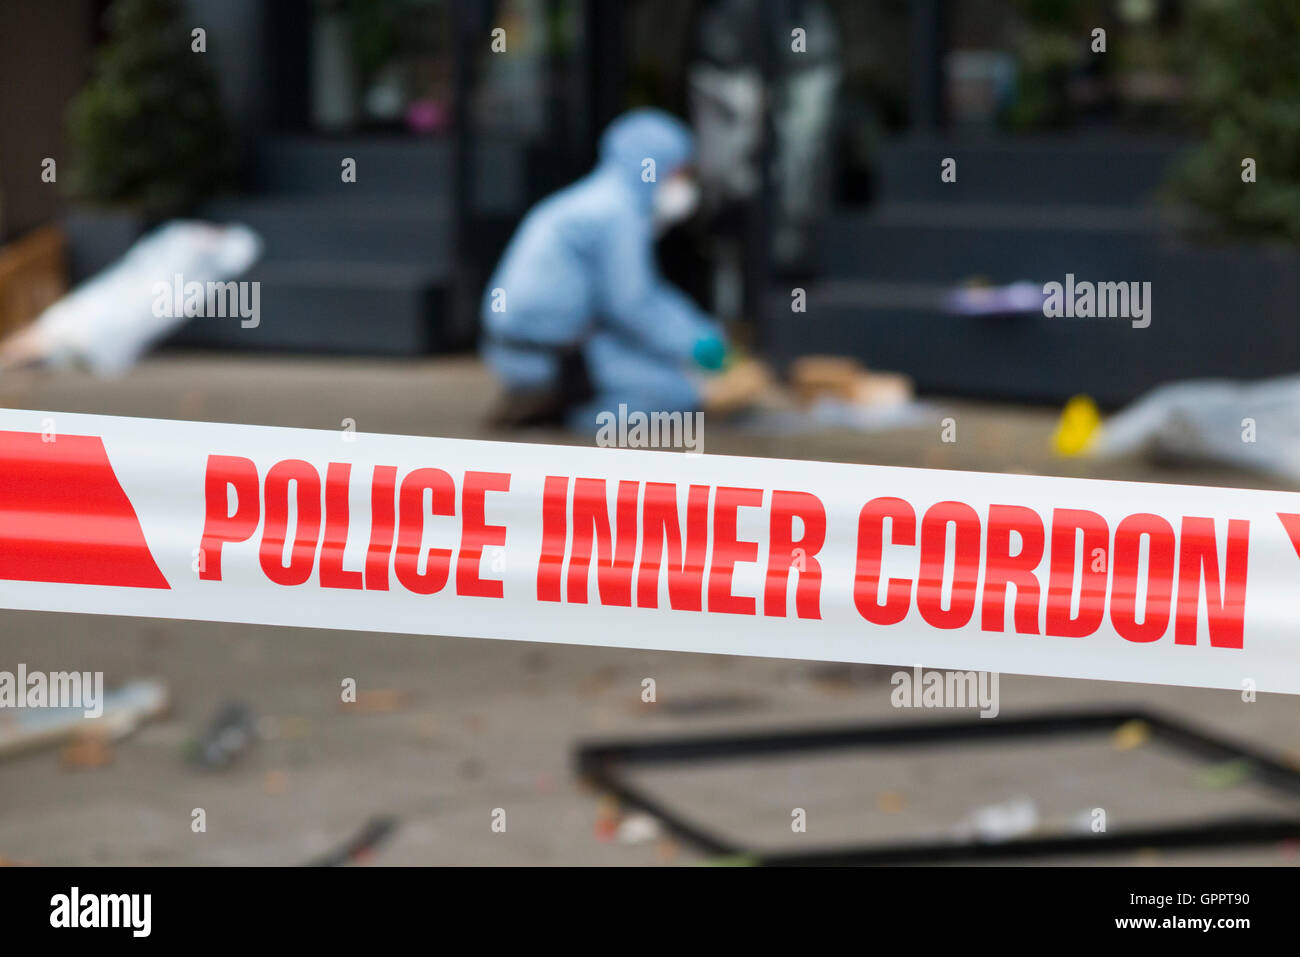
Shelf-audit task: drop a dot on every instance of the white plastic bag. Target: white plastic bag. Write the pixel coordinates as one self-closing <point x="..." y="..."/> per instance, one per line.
<point x="1253" y="425"/>
<point x="110" y="320"/>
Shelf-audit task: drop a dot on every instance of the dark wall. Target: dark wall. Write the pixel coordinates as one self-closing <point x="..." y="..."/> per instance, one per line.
<point x="238" y="55"/>
<point x="44" y="59"/>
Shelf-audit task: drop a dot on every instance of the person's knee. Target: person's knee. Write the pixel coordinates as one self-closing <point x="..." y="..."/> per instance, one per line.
<point x="522" y="369"/>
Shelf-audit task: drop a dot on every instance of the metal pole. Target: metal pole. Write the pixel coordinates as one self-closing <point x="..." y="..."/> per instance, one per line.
<point x="925" y="65"/>
<point x="758" y="234"/>
<point x="468" y="17"/>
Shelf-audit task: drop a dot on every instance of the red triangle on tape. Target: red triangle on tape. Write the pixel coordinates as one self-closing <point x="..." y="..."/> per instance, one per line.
<point x="1291" y="523"/>
<point x="64" y="516"/>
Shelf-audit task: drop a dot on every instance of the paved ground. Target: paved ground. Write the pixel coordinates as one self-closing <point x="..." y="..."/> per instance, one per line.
<point x="484" y="725"/>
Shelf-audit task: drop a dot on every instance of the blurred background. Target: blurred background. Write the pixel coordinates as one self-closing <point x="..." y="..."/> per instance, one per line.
<point x="822" y="127"/>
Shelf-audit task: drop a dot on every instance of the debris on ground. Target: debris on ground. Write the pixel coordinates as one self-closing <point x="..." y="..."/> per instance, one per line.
<point x="1247" y="425"/>
<point x="837" y="677"/>
<point x="1130" y="735"/>
<point x="638" y="828"/>
<point x="289" y="727"/>
<point x="360" y="848"/>
<point x="891" y="802"/>
<point x="377" y="701"/>
<point x="1225" y="774"/>
<point x="813" y="378"/>
<point x="833" y="392"/>
<point x="1004" y="821"/>
<point x="124" y="709"/>
<point x="87" y="751"/>
<point x="276" y="783"/>
<point x="229" y="734"/>
<point x="666" y="850"/>
<point x="608" y="816"/>
<point x="743" y="384"/>
<point x="694" y="706"/>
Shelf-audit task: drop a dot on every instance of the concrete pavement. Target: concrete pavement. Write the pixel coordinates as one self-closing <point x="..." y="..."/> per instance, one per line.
<point x="482" y="725"/>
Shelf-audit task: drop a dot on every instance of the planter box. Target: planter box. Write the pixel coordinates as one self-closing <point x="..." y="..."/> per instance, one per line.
<point x="33" y="275"/>
<point x="1217" y="312"/>
<point x="97" y="238"/>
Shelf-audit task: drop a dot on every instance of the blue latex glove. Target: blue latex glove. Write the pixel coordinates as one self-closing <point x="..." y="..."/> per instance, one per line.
<point x="709" y="352"/>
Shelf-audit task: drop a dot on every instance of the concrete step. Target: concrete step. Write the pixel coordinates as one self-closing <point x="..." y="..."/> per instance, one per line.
<point x="386" y="166"/>
<point x="357" y="308"/>
<point x="1215" y="312"/>
<point x="1068" y="169"/>
<point x="380" y="229"/>
<point x="947" y="242"/>
<point x="297" y="164"/>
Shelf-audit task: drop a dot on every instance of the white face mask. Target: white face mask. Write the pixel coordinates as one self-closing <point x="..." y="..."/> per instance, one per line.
<point x="674" y="201"/>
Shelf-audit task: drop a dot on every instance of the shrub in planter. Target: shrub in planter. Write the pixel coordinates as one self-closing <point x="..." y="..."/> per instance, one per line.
<point x="147" y="133"/>
<point x="1243" y="60"/>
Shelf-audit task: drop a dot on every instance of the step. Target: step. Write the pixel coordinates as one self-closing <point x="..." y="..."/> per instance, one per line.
<point x="1216" y="312"/>
<point x="387" y="165"/>
<point x="356" y="308"/>
<point x="378" y="229"/>
<point x="1069" y="169"/>
<point x="947" y="242"/>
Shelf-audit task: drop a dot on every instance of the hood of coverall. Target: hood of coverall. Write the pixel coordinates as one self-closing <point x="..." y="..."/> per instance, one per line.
<point x="646" y="134"/>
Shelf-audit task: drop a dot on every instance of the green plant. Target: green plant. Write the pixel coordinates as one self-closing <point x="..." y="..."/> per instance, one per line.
<point x="1244" y="64"/>
<point x="376" y="29"/>
<point x="147" y="132"/>
<point x="1052" y="41"/>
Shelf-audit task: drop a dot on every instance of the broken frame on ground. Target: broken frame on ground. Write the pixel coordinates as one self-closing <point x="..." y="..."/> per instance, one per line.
<point x="601" y="763"/>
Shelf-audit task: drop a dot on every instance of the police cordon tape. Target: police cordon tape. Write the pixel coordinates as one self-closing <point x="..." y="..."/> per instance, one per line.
<point x="1077" y="578"/>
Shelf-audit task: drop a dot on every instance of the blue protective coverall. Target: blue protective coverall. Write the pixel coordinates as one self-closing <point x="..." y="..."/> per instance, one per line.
<point x="580" y="273"/>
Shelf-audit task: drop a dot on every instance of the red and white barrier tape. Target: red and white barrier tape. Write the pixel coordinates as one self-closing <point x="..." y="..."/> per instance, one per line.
<point x="1079" y="578"/>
